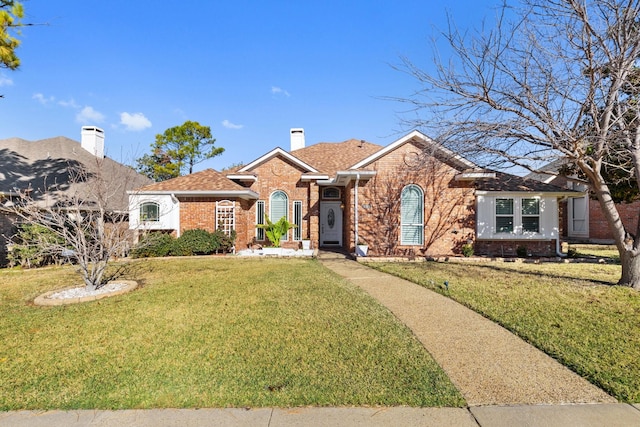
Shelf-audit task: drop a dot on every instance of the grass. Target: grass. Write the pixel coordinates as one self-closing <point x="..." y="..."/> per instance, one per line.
<point x="607" y="253"/>
<point x="570" y="311"/>
<point x="210" y="332"/>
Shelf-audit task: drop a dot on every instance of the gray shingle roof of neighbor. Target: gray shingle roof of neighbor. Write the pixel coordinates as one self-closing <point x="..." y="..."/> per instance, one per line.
<point x="47" y="166"/>
<point x="513" y="183"/>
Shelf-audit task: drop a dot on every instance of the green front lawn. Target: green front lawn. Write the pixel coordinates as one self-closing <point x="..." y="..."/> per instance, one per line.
<point x="210" y="332"/>
<point x="571" y="311"/>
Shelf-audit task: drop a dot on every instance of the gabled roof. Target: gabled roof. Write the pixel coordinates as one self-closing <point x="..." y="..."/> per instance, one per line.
<point x="507" y="183"/>
<point x="415" y="136"/>
<point x="274" y="153"/>
<point x="45" y="165"/>
<point x="330" y="158"/>
<point x="206" y="182"/>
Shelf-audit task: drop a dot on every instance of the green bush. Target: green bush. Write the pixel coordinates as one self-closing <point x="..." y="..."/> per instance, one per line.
<point x="191" y="242"/>
<point x="32" y="246"/>
<point x="467" y="250"/>
<point x="153" y="245"/>
<point x="521" y="251"/>
<point x="194" y="242"/>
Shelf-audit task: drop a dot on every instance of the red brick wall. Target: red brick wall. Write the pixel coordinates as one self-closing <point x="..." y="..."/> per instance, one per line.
<point x="598" y="226"/>
<point x="509" y="248"/>
<point x="449" y="205"/>
<point x="279" y="174"/>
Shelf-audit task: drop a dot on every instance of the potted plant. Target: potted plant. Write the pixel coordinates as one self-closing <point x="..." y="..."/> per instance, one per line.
<point x="274" y="232"/>
<point x="362" y="248"/>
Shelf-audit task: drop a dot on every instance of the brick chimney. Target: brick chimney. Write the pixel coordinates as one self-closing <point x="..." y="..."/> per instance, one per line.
<point x="297" y="138"/>
<point x="93" y="140"/>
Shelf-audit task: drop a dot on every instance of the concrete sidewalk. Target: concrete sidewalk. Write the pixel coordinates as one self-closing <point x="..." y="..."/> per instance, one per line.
<point x="610" y="415"/>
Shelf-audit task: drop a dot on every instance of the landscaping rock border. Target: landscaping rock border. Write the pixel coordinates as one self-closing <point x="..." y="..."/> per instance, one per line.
<point x="44" y="300"/>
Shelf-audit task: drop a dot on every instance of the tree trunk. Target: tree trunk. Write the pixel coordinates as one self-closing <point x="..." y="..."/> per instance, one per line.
<point x="630" y="270"/>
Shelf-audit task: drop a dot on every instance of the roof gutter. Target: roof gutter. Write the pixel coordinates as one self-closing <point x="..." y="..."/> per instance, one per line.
<point x="242" y="194"/>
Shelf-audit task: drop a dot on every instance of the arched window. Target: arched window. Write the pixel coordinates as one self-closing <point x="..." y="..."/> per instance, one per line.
<point x="279" y="207"/>
<point x="412" y="216"/>
<point x="150" y="211"/>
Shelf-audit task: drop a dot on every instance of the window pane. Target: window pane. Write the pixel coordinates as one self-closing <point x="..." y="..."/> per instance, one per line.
<point x="260" y="219"/>
<point x="150" y="212"/>
<point x="331" y="193"/>
<point x="412" y="235"/>
<point x="411" y="205"/>
<point x="504" y="224"/>
<point x="504" y="206"/>
<point x="297" y="220"/>
<point x="531" y="224"/>
<point x="279" y="204"/>
<point x="411" y="216"/>
<point x="530" y="206"/>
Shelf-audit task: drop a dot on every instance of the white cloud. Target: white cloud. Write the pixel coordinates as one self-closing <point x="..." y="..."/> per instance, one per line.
<point x="279" y="91"/>
<point x="70" y="103"/>
<point x="5" y="81"/>
<point x="42" y="99"/>
<point x="134" y="121"/>
<point x="229" y="125"/>
<point x="88" y="115"/>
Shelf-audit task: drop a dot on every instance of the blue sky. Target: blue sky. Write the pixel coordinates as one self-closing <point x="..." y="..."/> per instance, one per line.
<point x="250" y="70"/>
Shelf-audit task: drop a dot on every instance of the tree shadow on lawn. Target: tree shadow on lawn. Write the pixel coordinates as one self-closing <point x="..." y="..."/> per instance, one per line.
<point x="567" y="276"/>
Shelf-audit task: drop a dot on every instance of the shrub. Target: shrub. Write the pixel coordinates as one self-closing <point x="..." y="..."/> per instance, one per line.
<point x="194" y="242"/>
<point x="31" y="246"/>
<point x="467" y="250"/>
<point x="153" y="245"/>
<point x="521" y="251"/>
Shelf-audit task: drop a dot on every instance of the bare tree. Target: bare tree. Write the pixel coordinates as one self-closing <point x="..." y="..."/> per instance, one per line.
<point x="81" y="221"/>
<point x="553" y="80"/>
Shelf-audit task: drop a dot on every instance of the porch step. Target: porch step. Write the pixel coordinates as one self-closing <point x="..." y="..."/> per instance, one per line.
<point x="326" y="253"/>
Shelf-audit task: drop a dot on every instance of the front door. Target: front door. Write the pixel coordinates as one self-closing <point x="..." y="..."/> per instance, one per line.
<point x="578" y="216"/>
<point x="330" y="224"/>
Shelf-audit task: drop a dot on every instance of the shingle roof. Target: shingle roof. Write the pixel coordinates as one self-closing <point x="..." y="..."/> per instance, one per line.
<point x="44" y="165"/>
<point x="513" y="183"/>
<point x="328" y="157"/>
<point x="208" y="180"/>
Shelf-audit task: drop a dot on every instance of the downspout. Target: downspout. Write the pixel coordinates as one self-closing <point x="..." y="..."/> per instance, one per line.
<point x="175" y="200"/>
<point x="355" y="207"/>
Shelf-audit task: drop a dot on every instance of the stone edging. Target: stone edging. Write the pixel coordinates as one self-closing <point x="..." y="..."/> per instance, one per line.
<point x="44" y="299"/>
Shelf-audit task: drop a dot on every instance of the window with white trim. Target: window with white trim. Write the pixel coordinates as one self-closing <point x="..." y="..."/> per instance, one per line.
<point x="531" y="215"/>
<point x="504" y="215"/>
<point x="412" y="216"/>
<point x="226" y="216"/>
<point x="150" y="211"/>
<point x="331" y="193"/>
<point x="297" y="220"/>
<point x="279" y="207"/>
<point x="260" y="219"/>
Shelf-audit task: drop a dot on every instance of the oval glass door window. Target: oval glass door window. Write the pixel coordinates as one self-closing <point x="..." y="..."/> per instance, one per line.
<point x="331" y="218"/>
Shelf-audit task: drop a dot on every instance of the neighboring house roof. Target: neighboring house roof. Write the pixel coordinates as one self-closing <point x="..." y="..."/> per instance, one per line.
<point x="206" y="182"/>
<point x="329" y="158"/>
<point x="504" y="182"/>
<point x="46" y="166"/>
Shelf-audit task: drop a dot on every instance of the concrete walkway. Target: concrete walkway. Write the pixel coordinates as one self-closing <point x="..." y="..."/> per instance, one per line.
<point x="505" y="381"/>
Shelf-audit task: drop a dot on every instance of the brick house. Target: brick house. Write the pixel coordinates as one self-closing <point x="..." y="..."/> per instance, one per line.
<point x="410" y="198"/>
<point x="583" y="219"/>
